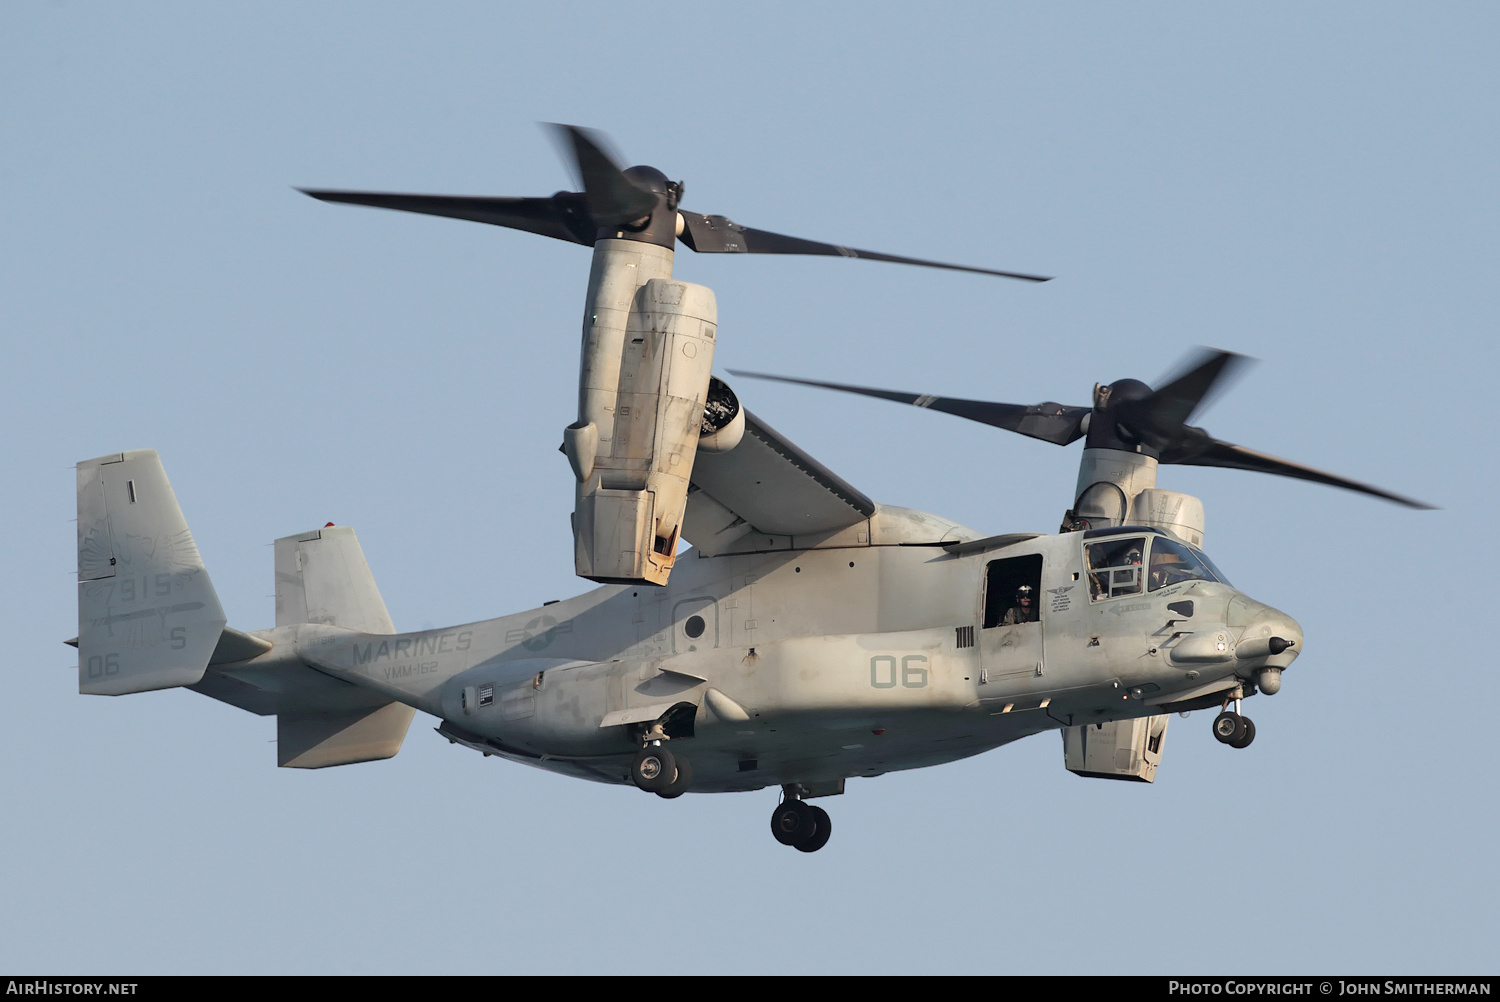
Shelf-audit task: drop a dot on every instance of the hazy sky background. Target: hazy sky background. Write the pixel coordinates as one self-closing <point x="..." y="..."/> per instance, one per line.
<point x="1310" y="184"/>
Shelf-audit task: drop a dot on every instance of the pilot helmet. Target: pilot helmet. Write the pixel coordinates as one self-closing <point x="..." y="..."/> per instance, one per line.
<point x="1024" y="592"/>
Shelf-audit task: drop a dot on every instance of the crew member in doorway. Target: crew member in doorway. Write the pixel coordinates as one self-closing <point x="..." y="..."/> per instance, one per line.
<point x="1024" y="611"/>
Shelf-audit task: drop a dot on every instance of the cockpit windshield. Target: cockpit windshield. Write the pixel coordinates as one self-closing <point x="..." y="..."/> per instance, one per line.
<point x="1127" y="565"/>
<point x="1172" y="562"/>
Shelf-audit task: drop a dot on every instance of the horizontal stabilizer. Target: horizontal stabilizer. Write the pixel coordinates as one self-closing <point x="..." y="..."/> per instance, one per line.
<point x="315" y="740"/>
<point x="234" y="647"/>
<point x="148" y="617"/>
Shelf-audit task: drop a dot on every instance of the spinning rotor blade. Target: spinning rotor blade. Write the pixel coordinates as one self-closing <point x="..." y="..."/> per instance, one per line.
<point x="718" y="235"/>
<point x="639" y="200"/>
<point x="564" y="216"/>
<point x="1159" y="418"/>
<point x="1154" y="418"/>
<point x="1050" y="422"/>
<point x="1235" y="457"/>
<point x="613" y="199"/>
<point x="1202" y="378"/>
<point x="609" y="198"/>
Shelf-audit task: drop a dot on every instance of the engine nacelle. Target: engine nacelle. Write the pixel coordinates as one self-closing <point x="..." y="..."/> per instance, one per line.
<point x="632" y="488"/>
<point x="1179" y="514"/>
<point x="723" y="419"/>
<point x="1108" y="481"/>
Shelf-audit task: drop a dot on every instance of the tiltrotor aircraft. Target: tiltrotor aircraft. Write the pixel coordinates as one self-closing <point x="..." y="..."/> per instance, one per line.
<point x="808" y="636"/>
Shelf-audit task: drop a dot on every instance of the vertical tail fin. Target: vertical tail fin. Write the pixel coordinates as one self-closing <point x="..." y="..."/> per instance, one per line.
<point x="322" y="577"/>
<point x="316" y="739"/>
<point x="148" y="617"/>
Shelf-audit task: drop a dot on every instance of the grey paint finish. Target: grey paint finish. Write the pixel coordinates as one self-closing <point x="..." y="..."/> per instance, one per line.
<point x="805" y="661"/>
<point x="312" y="740"/>
<point x="322" y="577"/>
<point x="839" y="653"/>
<point x="148" y="616"/>
<point x="776" y="488"/>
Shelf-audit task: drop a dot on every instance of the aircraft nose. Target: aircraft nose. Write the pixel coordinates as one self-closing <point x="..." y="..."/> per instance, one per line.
<point x="1268" y="643"/>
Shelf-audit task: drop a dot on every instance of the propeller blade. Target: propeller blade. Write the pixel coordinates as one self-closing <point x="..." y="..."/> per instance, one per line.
<point x="564" y="216"/>
<point x="1050" y="422"/>
<point x="1202" y="377"/>
<point x="1212" y="452"/>
<point x="613" y="199"/>
<point x="1061" y="425"/>
<point x="1159" y="417"/>
<point x="718" y="235"/>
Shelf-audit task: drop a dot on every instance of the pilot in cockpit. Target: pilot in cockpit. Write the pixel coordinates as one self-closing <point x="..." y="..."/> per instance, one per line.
<point x="1166" y="567"/>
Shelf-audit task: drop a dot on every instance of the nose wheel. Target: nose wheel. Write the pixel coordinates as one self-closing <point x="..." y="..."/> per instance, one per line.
<point x="802" y="826"/>
<point x="1234" y="730"/>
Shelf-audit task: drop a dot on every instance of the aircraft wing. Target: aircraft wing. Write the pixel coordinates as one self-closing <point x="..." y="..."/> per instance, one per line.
<point x="766" y="485"/>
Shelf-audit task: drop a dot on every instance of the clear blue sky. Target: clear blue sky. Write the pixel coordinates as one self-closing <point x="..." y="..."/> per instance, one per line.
<point x="1313" y="185"/>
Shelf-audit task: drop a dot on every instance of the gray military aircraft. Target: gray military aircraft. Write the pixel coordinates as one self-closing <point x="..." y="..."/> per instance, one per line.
<point x="810" y="635"/>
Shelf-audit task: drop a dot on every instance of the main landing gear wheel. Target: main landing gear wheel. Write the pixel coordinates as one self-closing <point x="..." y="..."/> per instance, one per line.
<point x="654" y="769"/>
<point x="680" y="785"/>
<point x="792" y="822"/>
<point x="801" y="826"/>
<point x="819" y="838"/>
<point x="1234" y="730"/>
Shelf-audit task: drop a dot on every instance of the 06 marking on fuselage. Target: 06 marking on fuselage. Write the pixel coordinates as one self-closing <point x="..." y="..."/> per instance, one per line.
<point x="883" y="673"/>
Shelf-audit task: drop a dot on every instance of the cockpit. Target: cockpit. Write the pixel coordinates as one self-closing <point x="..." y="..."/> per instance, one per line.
<point x="1129" y="560"/>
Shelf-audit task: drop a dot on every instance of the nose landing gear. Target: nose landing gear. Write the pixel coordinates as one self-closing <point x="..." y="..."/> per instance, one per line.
<point x="1232" y="729"/>
<point x="800" y="825"/>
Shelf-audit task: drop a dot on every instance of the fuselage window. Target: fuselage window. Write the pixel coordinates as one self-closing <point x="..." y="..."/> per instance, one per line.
<point x="1012" y="591"/>
<point x="1172" y="562"/>
<point x="1114" y="567"/>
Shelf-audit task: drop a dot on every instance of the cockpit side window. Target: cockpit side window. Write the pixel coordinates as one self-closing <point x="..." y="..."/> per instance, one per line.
<point x="1114" y="567"/>
<point x="1172" y="562"/>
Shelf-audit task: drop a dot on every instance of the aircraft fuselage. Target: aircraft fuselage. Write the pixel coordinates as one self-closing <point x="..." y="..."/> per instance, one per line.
<point x="813" y="665"/>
